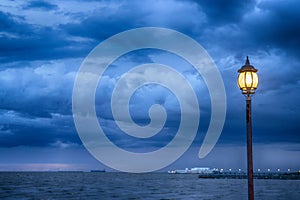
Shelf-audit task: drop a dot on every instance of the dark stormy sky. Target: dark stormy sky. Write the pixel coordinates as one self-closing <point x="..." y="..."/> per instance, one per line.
<point x="43" y="43"/>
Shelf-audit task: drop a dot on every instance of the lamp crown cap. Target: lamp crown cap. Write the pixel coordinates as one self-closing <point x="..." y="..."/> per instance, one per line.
<point x="247" y="67"/>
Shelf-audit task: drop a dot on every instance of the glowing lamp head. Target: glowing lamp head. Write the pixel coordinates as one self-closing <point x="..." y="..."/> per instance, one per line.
<point x="247" y="79"/>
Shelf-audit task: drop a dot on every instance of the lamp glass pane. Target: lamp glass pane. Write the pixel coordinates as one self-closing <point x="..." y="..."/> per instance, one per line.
<point x="241" y="80"/>
<point x="255" y="80"/>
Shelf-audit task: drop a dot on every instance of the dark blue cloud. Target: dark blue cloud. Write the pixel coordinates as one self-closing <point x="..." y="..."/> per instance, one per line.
<point x="21" y="41"/>
<point x="11" y="26"/>
<point x="38" y="133"/>
<point x="223" y="12"/>
<point x="100" y="27"/>
<point x="278" y="28"/>
<point x="36" y="93"/>
<point x="107" y="22"/>
<point x="41" y="5"/>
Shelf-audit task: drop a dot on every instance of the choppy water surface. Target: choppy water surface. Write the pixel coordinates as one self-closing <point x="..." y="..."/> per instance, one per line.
<point x="86" y="185"/>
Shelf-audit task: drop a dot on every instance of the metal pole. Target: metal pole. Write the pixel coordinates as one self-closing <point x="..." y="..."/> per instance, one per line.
<point x="249" y="148"/>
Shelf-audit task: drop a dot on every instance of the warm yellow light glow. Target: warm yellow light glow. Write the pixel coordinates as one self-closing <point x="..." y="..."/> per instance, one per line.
<point x="248" y="81"/>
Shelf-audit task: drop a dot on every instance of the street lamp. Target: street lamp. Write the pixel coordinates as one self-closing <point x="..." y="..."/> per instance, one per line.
<point x="248" y="82"/>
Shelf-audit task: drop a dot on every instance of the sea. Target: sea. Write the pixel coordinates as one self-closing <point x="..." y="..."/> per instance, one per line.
<point x="96" y="185"/>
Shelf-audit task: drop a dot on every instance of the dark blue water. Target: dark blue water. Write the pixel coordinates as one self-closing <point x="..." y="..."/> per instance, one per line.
<point x="86" y="185"/>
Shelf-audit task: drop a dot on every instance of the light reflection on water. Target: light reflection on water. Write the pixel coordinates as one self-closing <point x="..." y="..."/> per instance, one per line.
<point x="86" y="185"/>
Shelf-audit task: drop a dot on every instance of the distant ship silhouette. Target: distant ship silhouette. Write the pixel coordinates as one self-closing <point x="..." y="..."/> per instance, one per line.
<point x="97" y="170"/>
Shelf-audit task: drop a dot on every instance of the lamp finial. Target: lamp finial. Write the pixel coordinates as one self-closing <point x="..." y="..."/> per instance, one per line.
<point x="247" y="61"/>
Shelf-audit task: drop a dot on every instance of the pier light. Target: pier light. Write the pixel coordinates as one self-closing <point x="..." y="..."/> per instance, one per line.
<point x="248" y="82"/>
<point x="278" y="170"/>
<point x="269" y="170"/>
<point x="289" y="170"/>
<point x="258" y="170"/>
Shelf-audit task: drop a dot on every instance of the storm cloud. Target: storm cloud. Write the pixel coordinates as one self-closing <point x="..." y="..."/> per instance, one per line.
<point x="43" y="43"/>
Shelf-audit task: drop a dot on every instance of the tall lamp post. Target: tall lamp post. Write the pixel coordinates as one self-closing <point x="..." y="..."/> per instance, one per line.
<point x="248" y="82"/>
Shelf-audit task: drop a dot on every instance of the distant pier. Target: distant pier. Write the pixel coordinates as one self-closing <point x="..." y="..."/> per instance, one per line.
<point x="242" y="175"/>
